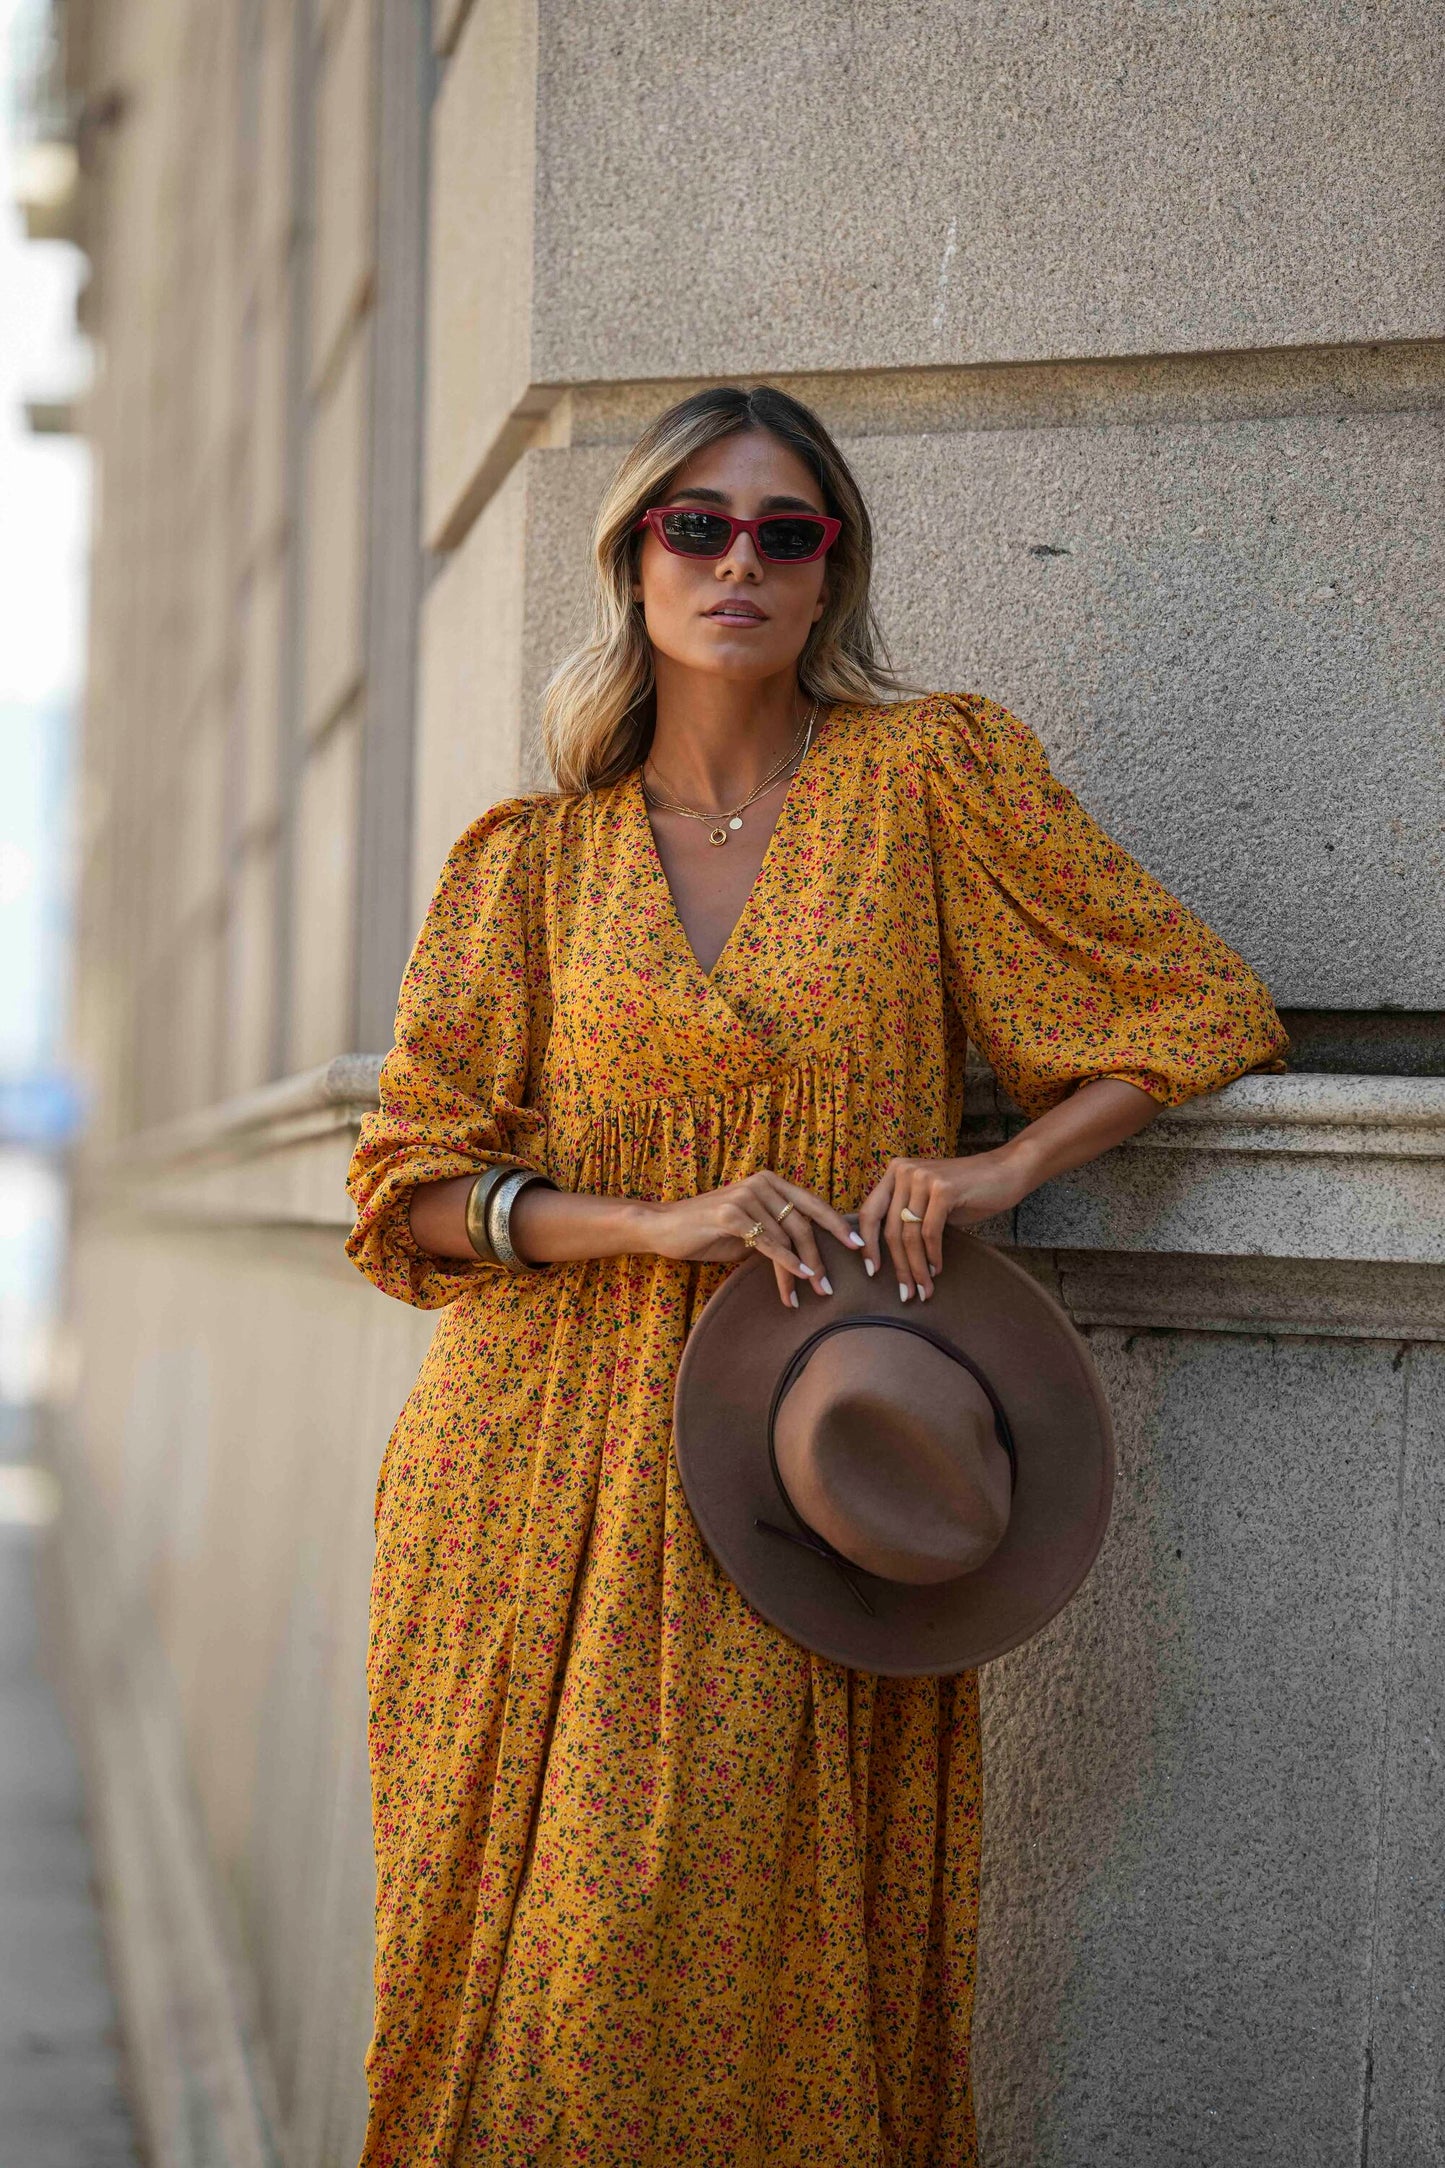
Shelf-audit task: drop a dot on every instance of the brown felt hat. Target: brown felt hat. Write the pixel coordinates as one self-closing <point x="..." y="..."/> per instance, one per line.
<point x="907" y="1489"/>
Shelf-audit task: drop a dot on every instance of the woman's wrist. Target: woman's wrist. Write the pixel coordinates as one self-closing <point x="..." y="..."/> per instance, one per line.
<point x="639" y="1226"/>
<point x="558" y="1226"/>
<point x="1027" y="1159"/>
<point x="1102" y="1112"/>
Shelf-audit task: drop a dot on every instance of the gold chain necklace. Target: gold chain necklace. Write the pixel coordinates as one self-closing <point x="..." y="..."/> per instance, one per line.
<point x="719" y="824"/>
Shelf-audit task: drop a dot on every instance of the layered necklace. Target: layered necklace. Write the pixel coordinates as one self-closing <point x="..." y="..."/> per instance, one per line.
<point x="721" y="825"/>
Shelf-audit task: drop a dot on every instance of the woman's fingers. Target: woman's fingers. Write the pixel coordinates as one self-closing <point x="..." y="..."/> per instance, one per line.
<point x="870" y="1221"/>
<point x="905" y="1250"/>
<point x="915" y="1243"/>
<point x="899" y="1182"/>
<point x="935" y="1219"/>
<point x="805" y="1242"/>
<point x="795" y="1212"/>
<point x="786" y="1216"/>
<point x="790" y="1208"/>
<point x="813" y="1208"/>
<point x="913" y="1193"/>
<point x="754" y="1210"/>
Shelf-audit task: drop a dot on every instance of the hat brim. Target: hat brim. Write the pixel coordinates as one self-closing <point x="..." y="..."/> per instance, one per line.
<point x="1049" y="1389"/>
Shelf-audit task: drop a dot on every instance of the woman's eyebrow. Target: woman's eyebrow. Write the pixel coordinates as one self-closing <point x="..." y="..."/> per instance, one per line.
<point x="770" y="504"/>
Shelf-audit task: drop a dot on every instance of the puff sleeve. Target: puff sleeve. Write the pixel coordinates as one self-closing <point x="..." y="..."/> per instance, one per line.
<point x="457" y="1089"/>
<point x="1065" y="958"/>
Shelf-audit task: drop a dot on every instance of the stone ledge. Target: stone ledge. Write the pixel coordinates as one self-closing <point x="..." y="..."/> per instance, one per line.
<point x="1238" y="384"/>
<point x="1295" y="1166"/>
<point x="318" y="1100"/>
<point x="275" y="1157"/>
<point x="1321" y="1298"/>
<point x="1392" y="1116"/>
<point x="1292" y="1167"/>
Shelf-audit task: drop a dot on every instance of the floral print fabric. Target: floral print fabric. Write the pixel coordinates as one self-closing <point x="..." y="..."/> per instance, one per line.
<point x="657" y="1888"/>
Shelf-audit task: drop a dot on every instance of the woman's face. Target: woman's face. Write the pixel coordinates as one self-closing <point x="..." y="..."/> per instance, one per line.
<point x="738" y="616"/>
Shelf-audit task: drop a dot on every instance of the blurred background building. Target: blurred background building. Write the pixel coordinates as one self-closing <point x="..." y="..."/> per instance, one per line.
<point x="61" y="2102"/>
<point x="1131" y="317"/>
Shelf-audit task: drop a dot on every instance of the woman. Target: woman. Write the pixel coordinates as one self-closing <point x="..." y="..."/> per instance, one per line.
<point x="656" y="1886"/>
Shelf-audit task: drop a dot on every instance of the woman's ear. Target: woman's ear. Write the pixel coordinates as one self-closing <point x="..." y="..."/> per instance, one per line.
<point x="822" y="602"/>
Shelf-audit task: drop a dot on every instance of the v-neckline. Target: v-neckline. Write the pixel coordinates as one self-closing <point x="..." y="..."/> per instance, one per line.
<point x="659" y="870"/>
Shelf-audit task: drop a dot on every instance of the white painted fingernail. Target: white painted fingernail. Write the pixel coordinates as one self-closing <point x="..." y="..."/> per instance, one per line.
<point x="825" y="1285"/>
<point x="869" y="1267"/>
<point x="805" y="1268"/>
<point x="793" y="1297"/>
<point x="856" y="1240"/>
<point x="904" y="1293"/>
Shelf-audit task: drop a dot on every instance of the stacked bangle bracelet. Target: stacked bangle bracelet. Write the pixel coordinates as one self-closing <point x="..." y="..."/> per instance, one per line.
<point x="489" y="1214"/>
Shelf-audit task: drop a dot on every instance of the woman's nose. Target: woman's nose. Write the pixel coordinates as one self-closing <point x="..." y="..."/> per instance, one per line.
<point x="742" y="561"/>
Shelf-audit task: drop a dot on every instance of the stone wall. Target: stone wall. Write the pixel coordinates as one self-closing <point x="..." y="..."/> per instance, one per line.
<point x="1133" y="320"/>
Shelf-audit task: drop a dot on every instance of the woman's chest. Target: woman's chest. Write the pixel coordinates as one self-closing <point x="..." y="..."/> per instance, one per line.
<point x="711" y="871"/>
<point x="833" y="945"/>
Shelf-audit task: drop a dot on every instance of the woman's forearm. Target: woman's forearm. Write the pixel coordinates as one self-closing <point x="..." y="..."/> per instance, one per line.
<point x="548" y="1226"/>
<point x="1091" y="1120"/>
<point x="761" y="1211"/>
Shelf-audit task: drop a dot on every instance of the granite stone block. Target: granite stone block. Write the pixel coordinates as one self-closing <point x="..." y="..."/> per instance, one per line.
<point x="825" y="186"/>
<point x="1183" y="1777"/>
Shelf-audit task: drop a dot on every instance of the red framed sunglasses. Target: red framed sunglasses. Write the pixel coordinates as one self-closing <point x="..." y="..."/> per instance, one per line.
<point x="783" y="538"/>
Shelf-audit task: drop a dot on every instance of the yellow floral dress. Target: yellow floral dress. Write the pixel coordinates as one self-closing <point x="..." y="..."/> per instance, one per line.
<point x="657" y="1888"/>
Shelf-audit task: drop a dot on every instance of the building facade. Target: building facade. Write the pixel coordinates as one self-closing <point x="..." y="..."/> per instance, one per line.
<point x="1132" y="319"/>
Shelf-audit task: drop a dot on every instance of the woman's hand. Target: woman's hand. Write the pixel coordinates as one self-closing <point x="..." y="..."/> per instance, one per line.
<point x="1095" y="1116"/>
<point x="943" y="1193"/>
<point x="711" y="1229"/>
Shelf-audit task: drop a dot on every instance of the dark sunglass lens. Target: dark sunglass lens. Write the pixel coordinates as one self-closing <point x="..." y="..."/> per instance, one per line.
<point x="696" y="534"/>
<point x="790" y="538"/>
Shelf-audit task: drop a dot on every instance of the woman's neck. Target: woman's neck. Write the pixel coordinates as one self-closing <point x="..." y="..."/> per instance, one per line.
<point x="715" y="740"/>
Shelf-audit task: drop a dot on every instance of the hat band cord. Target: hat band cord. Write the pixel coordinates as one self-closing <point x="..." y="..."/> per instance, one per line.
<point x="808" y="1539"/>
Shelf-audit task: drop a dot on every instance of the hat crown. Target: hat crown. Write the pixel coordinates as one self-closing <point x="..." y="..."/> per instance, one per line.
<point x="887" y="1447"/>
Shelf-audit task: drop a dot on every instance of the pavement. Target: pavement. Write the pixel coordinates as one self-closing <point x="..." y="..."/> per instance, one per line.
<point x="62" y="2103"/>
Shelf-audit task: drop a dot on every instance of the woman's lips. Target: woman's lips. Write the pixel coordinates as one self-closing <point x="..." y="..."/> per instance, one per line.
<point x="735" y="613"/>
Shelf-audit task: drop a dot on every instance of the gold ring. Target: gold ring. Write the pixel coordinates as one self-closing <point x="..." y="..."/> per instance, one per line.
<point x="787" y="1208"/>
<point x="914" y="1219"/>
<point x="750" y="1238"/>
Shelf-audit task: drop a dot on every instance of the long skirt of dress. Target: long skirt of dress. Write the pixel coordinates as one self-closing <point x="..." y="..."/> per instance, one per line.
<point x="657" y="1888"/>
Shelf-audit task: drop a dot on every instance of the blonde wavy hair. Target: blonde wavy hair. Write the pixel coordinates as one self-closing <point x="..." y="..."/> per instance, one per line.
<point x="598" y="708"/>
